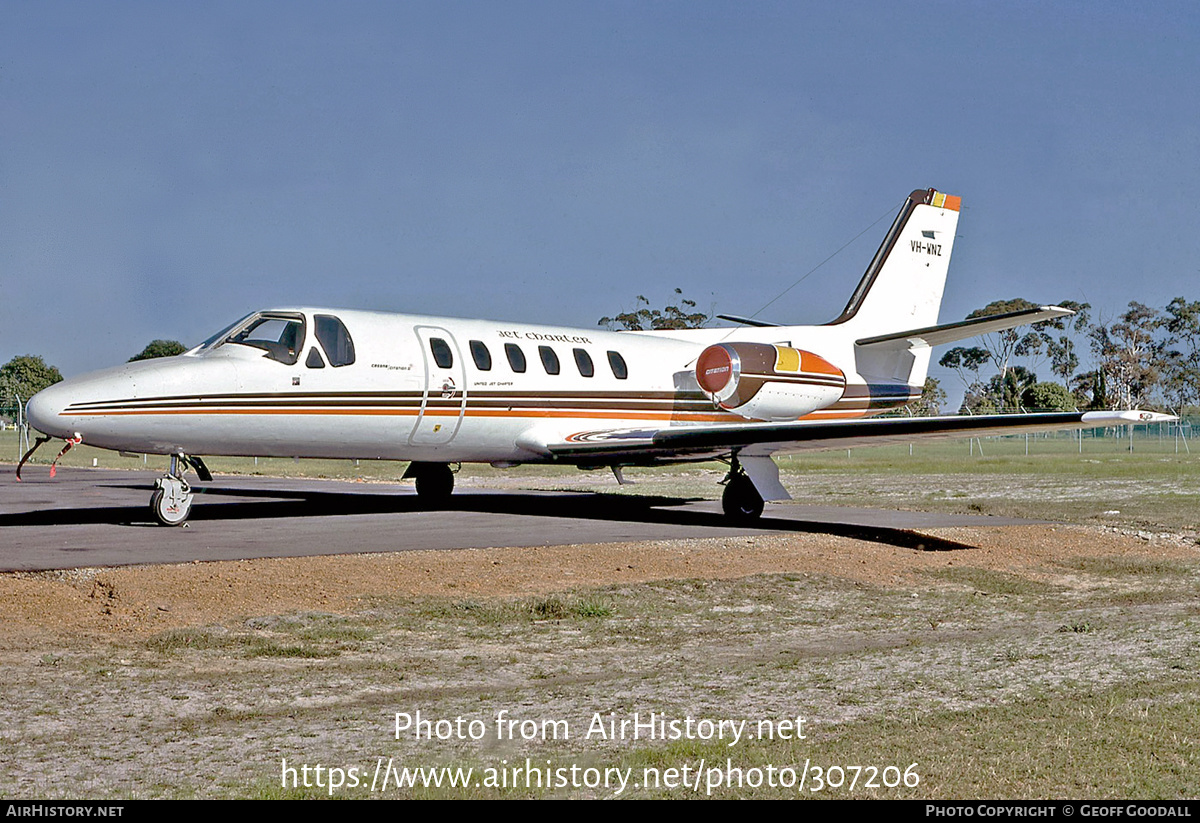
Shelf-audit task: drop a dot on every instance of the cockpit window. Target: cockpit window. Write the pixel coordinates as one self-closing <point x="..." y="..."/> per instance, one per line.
<point x="339" y="348"/>
<point x="279" y="334"/>
<point x="220" y="336"/>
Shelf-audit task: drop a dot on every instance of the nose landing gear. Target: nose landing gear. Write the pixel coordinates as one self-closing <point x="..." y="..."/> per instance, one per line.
<point x="171" y="502"/>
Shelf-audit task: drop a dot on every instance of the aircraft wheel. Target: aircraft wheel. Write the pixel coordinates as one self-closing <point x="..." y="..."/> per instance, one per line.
<point x="171" y="507"/>
<point x="741" y="501"/>
<point x="435" y="483"/>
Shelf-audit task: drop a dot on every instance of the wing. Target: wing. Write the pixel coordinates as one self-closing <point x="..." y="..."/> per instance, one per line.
<point x="682" y="443"/>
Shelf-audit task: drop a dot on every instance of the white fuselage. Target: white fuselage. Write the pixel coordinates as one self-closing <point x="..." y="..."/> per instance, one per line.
<point x="396" y="400"/>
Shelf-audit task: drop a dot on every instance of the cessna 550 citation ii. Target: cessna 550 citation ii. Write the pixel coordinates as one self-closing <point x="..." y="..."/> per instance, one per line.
<point x="310" y="382"/>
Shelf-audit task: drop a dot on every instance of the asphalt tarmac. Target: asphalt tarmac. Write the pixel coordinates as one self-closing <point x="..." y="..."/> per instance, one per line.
<point x="96" y="517"/>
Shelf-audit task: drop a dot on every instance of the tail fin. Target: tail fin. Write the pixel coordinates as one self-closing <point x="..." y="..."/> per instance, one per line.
<point x="902" y="288"/>
<point x="902" y="291"/>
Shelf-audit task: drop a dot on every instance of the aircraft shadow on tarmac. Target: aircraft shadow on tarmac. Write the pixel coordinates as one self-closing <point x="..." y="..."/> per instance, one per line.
<point x="267" y="504"/>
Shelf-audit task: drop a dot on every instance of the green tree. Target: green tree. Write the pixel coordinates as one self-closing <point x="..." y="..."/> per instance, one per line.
<point x="1003" y="390"/>
<point x="931" y="400"/>
<point x="1181" y="360"/>
<point x="1091" y="390"/>
<point x="1008" y="388"/>
<point x="1130" y="355"/>
<point x="1047" y="397"/>
<point x="25" y="376"/>
<point x="1061" y="347"/>
<point x="978" y="399"/>
<point x="683" y="315"/>
<point x="1005" y="345"/>
<point x="965" y="359"/>
<point x="159" y="348"/>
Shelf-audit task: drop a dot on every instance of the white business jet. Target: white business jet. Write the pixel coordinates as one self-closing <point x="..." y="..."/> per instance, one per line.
<point x="436" y="391"/>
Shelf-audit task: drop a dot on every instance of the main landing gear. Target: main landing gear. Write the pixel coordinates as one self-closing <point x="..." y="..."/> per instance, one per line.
<point x="741" y="501"/>
<point x="171" y="502"/>
<point x="435" y="482"/>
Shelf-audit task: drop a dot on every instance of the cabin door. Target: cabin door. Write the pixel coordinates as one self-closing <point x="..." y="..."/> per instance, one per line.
<point x="445" y="399"/>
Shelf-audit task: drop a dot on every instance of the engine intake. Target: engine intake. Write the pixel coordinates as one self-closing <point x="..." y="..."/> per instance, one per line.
<point x="760" y="381"/>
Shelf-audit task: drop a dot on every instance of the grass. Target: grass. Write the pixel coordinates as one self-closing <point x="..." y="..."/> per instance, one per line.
<point x="988" y="581"/>
<point x="498" y="612"/>
<point x="1029" y="694"/>
<point x="1060" y="738"/>
<point x="179" y="641"/>
<point x="1136" y="741"/>
<point x="1128" y="566"/>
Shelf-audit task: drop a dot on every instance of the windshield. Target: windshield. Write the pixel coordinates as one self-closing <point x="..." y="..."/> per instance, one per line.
<point x="220" y="336"/>
<point x="279" y="334"/>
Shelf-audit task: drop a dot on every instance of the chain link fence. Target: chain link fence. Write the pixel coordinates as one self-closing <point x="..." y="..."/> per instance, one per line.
<point x="1176" y="437"/>
<point x="13" y="426"/>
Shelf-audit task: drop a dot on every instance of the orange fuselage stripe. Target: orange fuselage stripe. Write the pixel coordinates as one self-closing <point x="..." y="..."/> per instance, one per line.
<point x="526" y="413"/>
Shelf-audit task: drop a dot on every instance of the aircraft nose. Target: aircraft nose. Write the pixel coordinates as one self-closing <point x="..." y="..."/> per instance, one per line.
<point x="44" y="411"/>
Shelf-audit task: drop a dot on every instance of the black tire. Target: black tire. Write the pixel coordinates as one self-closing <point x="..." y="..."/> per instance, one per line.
<point x="741" y="501"/>
<point x="435" y="483"/>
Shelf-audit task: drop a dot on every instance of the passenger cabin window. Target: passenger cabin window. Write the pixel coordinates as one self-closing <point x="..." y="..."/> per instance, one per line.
<point x="584" y="361"/>
<point x="339" y="348"/>
<point x="314" y="361"/>
<point x="442" y="355"/>
<point x="549" y="359"/>
<point x="481" y="355"/>
<point x="279" y="335"/>
<point x="516" y="357"/>
<point x="617" y="363"/>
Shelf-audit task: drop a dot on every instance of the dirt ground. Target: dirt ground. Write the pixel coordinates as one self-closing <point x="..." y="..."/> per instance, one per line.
<point x="203" y="679"/>
<point x="137" y="601"/>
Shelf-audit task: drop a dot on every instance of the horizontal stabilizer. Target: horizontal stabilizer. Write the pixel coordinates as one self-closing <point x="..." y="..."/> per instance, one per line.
<point x="952" y="332"/>
<point x="746" y="321"/>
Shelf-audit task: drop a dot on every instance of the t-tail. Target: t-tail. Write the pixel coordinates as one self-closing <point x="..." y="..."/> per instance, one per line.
<point x="892" y="316"/>
<point x="901" y="291"/>
<point x="902" y="287"/>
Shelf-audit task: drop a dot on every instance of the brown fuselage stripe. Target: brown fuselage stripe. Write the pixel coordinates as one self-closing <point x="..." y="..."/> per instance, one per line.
<point x="857" y="401"/>
<point x="494" y="397"/>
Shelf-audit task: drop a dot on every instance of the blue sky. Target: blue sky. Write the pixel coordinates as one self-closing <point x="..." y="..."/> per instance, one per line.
<point x="167" y="167"/>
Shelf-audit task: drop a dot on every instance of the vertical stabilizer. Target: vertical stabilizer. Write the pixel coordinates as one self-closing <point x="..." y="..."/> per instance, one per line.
<point x="902" y="288"/>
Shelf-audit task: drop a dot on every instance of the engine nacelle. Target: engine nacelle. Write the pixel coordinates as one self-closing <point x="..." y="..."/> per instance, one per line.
<point x="766" y="382"/>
